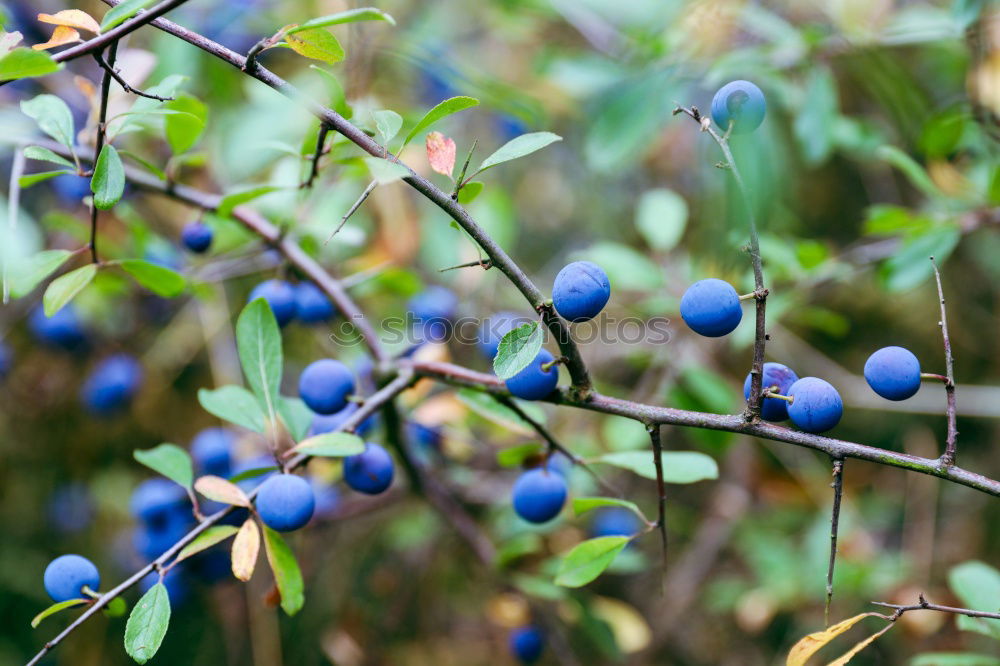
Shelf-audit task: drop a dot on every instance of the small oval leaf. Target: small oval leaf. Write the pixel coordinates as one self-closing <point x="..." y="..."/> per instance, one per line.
<point x="65" y="287"/>
<point x="445" y="108"/>
<point x="218" y="489"/>
<point x="234" y="404"/>
<point x="158" y="279"/>
<point x="169" y="460"/>
<point x="519" y="147"/>
<point x="55" y="608"/>
<point x="332" y="445"/>
<point x="587" y="560"/>
<point x="108" y="182"/>
<point x="678" y="466"/>
<point x="246" y="545"/>
<point x="287" y="575"/>
<point x="147" y="624"/>
<point x="518" y="348"/>
<point x="205" y="540"/>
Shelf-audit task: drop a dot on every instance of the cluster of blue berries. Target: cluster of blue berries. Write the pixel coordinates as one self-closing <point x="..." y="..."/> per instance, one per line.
<point x="303" y="301"/>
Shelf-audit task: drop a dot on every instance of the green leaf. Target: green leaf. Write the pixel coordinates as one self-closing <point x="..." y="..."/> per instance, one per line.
<point x="31" y="270"/>
<point x="332" y="445"/>
<point x="445" y="108"/>
<point x="147" y="624"/>
<point x="123" y="12"/>
<point x="469" y="192"/>
<point x="977" y="584"/>
<point x="205" y="540"/>
<point x="388" y="124"/>
<point x="23" y="63"/>
<point x="910" y="265"/>
<point x="46" y="155"/>
<point x="514" y="456"/>
<point x="115" y="608"/>
<point x="53" y="117"/>
<point x="296" y="416"/>
<point x="678" y="466"/>
<point x="62" y="290"/>
<point x="350" y="16"/>
<point x="582" y="505"/>
<point x="159" y="279"/>
<point x="626" y="267"/>
<point x="910" y="168"/>
<point x="338" y="100"/>
<point x="169" y="460"/>
<point x="493" y="410"/>
<point x="316" y="43"/>
<point x="155" y="170"/>
<point x="518" y="348"/>
<point x="24" y="182"/>
<point x="385" y="171"/>
<point x="234" y="404"/>
<point x="661" y="217"/>
<point x="816" y="119"/>
<point x="287" y="575"/>
<point x="259" y="342"/>
<point x="184" y="129"/>
<point x="231" y="201"/>
<point x="588" y="560"/>
<point x="519" y="147"/>
<point x="108" y="183"/>
<point x="253" y="473"/>
<point x="55" y="608"/>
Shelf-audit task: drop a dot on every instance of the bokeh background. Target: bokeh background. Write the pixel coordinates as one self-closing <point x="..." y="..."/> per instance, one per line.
<point x="879" y="149"/>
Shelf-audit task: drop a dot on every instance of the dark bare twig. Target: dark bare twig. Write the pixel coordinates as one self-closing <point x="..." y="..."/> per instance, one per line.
<point x="123" y="83"/>
<point x="318" y="153"/>
<point x="661" y="488"/>
<point x="838" y="490"/>
<point x="760" y="292"/>
<point x="951" y="440"/>
<point x="459" y="184"/>
<point x="923" y="604"/>
<point x="354" y="207"/>
<point x="485" y="264"/>
<point x="102" y="120"/>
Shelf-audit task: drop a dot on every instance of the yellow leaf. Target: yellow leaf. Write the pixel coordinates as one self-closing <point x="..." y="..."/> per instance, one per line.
<point x="246" y="545"/>
<point x="847" y="656"/>
<point x="72" y="18"/>
<point x="218" y="489"/>
<point x="318" y="44"/>
<point x="632" y="632"/>
<point x="441" y="153"/>
<point x="811" y="644"/>
<point x="61" y="36"/>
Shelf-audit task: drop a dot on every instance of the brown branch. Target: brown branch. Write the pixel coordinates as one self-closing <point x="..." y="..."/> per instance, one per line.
<point x="836" y="448"/>
<point x="499" y="258"/>
<point x="317" y="154"/>
<point x="102" y="120"/>
<point x="661" y="489"/>
<point x="752" y="413"/>
<point x="951" y="440"/>
<point x="838" y="490"/>
<point x="354" y="207"/>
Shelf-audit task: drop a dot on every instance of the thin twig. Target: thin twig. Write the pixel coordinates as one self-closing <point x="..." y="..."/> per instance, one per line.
<point x="923" y="604"/>
<point x="124" y="84"/>
<point x="102" y="119"/>
<point x="13" y="211"/>
<point x="485" y="264"/>
<point x="760" y="292"/>
<point x="351" y="210"/>
<point x="951" y="440"/>
<point x="459" y="184"/>
<point x="661" y="489"/>
<point x="324" y="129"/>
<point x="838" y="489"/>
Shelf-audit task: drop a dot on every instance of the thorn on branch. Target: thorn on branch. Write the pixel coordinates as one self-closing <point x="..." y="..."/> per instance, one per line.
<point x="124" y="84"/>
<point x="485" y="264"/>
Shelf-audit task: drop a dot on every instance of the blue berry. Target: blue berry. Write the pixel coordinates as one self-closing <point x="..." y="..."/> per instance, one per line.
<point x="111" y="384"/>
<point x="312" y="306"/>
<point x="66" y="576"/>
<point x="893" y="373"/>
<point x="324" y="423"/>
<point x="711" y="308"/>
<point x="432" y="311"/>
<point x="285" y="502"/>
<point x="212" y="451"/>
<point x="740" y="102"/>
<point x="152" y="539"/>
<point x="196" y="236"/>
<point x="423" y="436"/>
<point x="816" y="406"/>
<point x="539" y="495"/>
<point x="581" y="291"/>
<point x="495" y="327"/>
<point x="327" y="497"/>
<point x="325" y="385"/>
<point x="534" y="383"/>
<point x="527" y="644"/>
<point x="370" y="471"/>
<point x="775" y="374"/>
<point x="63" y="329"/>
<point x="70" y="509"/>
<point x="156" y="501"/>
<point x="614" y="521"/>
<point x="279" y="295"/>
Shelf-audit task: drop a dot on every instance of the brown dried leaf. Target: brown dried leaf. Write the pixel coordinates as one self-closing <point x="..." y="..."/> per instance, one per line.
<point x="61" y="36"/>
<point x="847" y="656"/>
<point x="218" y="489"/>
<point x="72" y="18"/>
<point x="814" y="642"/>
<point x="246" y="546"/>
<point x="441" y="153"/>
